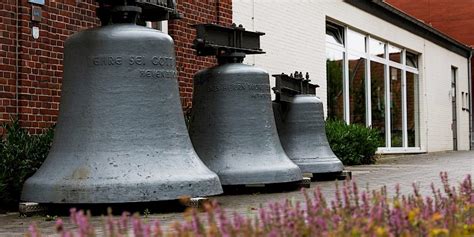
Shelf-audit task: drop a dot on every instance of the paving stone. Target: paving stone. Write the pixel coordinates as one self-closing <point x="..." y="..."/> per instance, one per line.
<point x="404" y="170"/>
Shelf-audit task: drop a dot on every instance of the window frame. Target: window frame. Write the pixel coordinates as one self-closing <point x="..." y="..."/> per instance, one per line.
<point x="402" y="65"/>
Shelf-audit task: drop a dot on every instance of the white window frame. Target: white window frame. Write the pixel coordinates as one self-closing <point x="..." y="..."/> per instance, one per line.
<point x="368" y="97"/>
<point x="160" y="25"/>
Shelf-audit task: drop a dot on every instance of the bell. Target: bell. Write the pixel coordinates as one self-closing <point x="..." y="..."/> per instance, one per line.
<point x="121" y="135"/>
<point x="300" y="121"/>
<point x="232" y="126"/>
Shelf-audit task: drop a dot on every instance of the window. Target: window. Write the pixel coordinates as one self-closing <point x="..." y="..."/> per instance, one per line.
<point x="413" y="122"/>
<point x="373" y="82"/>
<point x="335" y="80"/>
<point x="160" y="25"/>
<point x="377" y="87"/>
<point x="356" y="41"/>
<point x="396" y="107"/>
<point x="335" y="58"/>
<point x="411" y="60"/>
<point x="377" y="48"/>
<point x="394" y="54"/>
<point x="357" y="91"/>
<point x="334" y="34"/>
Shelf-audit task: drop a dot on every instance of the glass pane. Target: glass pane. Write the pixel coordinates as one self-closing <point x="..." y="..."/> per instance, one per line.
<point x="357" y="89"/>
<point x="377" y="48"/>
<point x="412" y="60"/>
<point x="413" y="122"/>
<point x="334" y="72"/>
<point x="356" y="41"/>
<point x="396" y="107"/>
<point x="377" y="87"/>
<point x="334" y="34"/>
<point x="395" y="54"/>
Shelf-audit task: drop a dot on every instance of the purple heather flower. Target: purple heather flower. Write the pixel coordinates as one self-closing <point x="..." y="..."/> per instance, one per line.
<point x="59" y="225"/>
<point x="33" y="230"/>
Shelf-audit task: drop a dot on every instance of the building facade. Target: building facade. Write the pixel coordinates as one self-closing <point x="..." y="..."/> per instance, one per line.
<point x="375" y="65"/>
<point x="32" y="51"/>
<point x="454" y="18"/>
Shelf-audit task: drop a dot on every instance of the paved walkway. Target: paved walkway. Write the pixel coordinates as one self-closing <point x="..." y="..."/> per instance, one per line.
<point x="421" y="169"/>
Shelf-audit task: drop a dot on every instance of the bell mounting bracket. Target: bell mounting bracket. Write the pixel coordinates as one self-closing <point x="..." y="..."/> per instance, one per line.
<point x="149" y="10"/>
<point x="287" y="86"/>
<point x="220" y="41"/>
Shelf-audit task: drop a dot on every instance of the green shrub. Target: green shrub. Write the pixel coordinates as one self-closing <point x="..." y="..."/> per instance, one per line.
<point x="21" y="154"/>
<point x="353" y="144"/>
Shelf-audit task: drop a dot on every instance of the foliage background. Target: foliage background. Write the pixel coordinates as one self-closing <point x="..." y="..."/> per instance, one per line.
<point x="21" y="154"/>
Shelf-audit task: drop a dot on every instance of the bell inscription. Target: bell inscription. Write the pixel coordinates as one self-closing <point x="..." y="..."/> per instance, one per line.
<point x="121" y="136"/>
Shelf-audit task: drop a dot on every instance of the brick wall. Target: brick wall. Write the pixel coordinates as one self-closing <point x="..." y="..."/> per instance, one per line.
<point x="40" y="61"/>
<point x="7" y="58"/>
<point x="454" y="18"/>
<point x="194" y="12"/>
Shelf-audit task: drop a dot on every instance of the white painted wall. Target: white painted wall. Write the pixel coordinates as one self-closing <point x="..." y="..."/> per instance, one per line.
<point x="295" y="40"/>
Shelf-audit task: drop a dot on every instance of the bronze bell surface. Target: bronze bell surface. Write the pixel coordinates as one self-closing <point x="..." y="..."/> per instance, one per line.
<point x="121" y="135"/>
<point x="300" y="121"/>
<point x="232" y="126"/>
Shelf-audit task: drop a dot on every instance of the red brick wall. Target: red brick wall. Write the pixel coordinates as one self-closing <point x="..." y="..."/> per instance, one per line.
<point x="195" y="12"/>
<point x="40" y="61"/>
<point x="7" y="58"/>
<point x="455" y="18"/>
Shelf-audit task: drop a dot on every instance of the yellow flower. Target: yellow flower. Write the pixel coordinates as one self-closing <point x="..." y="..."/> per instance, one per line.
<point x="439" y="232"/>
<point x="437" y="216"/>
<point x="469" y="229"/>
<point x="380" y="231"/>
<point x="413" y="214"/>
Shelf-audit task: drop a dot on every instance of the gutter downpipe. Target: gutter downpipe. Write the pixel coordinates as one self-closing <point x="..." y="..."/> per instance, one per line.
<point x="470" y="78"/>
<point x="17" y="59"/>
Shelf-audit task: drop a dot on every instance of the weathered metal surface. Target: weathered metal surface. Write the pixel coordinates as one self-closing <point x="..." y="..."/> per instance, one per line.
<point x="300" y="121"/>
<point x="233" y="129"/>
<point x="150" y="10"/>
<point x="121" y="135"/>
<point x="213" y="40"/>
<point x="31" y="208"/>
<point x="232" y="125"/>
<point x="287" y="86"/>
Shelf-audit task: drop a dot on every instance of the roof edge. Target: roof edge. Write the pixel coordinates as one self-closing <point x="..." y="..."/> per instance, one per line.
<point x="387" y="12"/>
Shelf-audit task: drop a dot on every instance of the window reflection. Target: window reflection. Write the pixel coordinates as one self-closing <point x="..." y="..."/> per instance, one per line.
<point x="395" y="54"/>
<point x="411" y="60"/>
<point x="377" y="87"/>
<point x="396" y="113"/>
<point x="413" y="121"/>
<point x="334" y="76"/>
<point x="355" y="41"/>
<point x="377" y="48"/>
<point x="357" y="89"/>
<point x="377" y="54"/>
<point x="334" y="34"/>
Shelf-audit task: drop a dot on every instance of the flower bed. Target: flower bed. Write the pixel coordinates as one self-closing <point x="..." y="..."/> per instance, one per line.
<point x="449" y="211"/>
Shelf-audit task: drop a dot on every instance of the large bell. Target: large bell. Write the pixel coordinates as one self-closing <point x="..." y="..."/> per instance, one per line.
<point x="121" y="135"/>
<point x="232" y="125"/>
<point x="299" y="117"/>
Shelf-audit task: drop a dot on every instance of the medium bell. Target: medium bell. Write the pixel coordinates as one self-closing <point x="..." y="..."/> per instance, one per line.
<point x="300" y="121"/>
<point x="121" y="135"/>
<point x="232" y="125"/>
